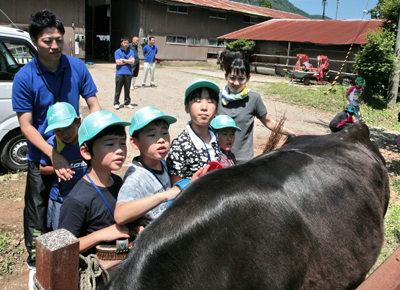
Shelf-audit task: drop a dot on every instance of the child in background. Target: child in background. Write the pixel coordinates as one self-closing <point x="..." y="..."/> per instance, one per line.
<point x="88" y="210"/>
<point x="343" y="119"/>
<point x="197" y="145"/>
<point x="354" y="96"/>
<point x="226" y="129"/>
<point x="62" y="119"/>
<point x="147" y="186"/>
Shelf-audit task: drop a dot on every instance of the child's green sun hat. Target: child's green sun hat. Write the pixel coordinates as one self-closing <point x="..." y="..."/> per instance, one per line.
<point x="224" y="121"/>
<point x="351" y="109"/>
<point x="200" y="83"/>
<point x="96" y="122"/>
<point x="145" y="116"/>
<point x="60" y="115"/>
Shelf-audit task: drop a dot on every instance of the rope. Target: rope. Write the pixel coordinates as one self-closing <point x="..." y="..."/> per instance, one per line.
<point x="348" y="53"/>
<point x="90" y="270"/>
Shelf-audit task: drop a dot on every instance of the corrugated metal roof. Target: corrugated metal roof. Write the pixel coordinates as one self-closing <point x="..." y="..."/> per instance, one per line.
<point x="237" y="7"/>
<point x="309" y="30"/>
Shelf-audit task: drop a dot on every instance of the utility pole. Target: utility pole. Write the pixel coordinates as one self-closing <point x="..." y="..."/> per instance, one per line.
<point x="394" y="81"/>
<point x="323" y="4"/>
<point x="337" y="6"/>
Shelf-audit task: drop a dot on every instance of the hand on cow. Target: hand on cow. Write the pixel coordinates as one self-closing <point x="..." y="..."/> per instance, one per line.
<point x="61" y="166"/>
<point x="200" y="172"/>
<point x="170" y="193"/>
<point x="115" y="232"/>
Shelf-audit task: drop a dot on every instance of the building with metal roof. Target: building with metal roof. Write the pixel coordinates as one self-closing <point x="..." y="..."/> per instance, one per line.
<point x="288" y="37"/>
<point x="321" y="31"/>
<point x="236" y="7"/>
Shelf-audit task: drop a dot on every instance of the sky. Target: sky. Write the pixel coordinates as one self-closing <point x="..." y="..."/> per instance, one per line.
<point x="347" y="9"/>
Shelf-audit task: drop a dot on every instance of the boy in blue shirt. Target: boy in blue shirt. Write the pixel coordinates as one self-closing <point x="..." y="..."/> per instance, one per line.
<point x="88" y="210"/>
<point x="64" y="122"/>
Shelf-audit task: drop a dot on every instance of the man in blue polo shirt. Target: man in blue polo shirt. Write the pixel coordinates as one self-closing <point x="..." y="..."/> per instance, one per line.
<point x="149" y="53"/>
<point x="49" y="78"/>
<point x="124" y="58"/>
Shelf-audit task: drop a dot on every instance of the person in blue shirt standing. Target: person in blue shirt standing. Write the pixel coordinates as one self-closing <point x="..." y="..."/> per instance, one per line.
<point x="149" y="53"/>
<point x="124" y="58"/>
<point x="48" y="78"/>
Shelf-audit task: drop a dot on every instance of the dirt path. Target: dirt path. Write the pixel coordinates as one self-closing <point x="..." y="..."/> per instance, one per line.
<point x="168" y="97"/>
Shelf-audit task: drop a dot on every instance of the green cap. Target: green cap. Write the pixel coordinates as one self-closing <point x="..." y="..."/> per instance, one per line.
<point x="224" y="121"/>
<point x="201" y="84"/>
<point x="146" y="115"/>
<point x="96" y="122"/>
<point x="60" y="115"/>
<point x="360" y="81"/>
<point x="351" y="109"/>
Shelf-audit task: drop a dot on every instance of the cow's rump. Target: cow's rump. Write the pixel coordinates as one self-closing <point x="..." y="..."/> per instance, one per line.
<point x="306" y="216"/>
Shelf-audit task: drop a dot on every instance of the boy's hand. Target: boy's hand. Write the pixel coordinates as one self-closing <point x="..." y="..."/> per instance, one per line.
<point x="61" y="166"/>
<point x="171" y="193"/>
<point x="115" y="232"/>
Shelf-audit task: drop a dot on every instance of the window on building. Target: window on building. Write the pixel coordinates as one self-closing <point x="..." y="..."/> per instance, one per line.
<point x="173" y="39"/>
<point x="178" y="9"/>
<point x="194" y="41"/>
<point x="215" y="42"/>
<point x="250" y="19"/>
<point x="217" y="14"/>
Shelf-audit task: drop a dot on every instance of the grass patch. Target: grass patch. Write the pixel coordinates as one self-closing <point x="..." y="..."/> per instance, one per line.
<point x="392" y="221"/>
<point x="11" y="251"/>
<point x="373" y="111"/>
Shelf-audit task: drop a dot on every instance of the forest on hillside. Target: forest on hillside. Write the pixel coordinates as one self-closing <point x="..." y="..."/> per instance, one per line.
<point x="283" y="5"/>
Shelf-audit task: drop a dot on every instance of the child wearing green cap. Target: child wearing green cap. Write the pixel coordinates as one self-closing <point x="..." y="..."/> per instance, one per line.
<point x="197" y="145"/>
<point x="343" y="119"/>
<point x="88" y="210"/>
<point x="147" y="186"/>
<point x="62" y="119"/>
<point x="354" y="96"/>
<point x="226" y="128"/>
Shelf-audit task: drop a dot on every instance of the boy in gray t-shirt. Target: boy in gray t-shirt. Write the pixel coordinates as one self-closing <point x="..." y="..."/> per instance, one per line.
<point x="147" y="186"/>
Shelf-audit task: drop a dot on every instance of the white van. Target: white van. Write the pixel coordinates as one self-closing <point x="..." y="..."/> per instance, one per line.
<point x="16" y="49"/>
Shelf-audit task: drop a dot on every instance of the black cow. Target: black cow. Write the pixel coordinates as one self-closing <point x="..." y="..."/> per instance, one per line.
<point x="306" y="216"/>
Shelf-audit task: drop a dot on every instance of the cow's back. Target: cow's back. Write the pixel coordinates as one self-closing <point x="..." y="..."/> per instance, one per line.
<point x="306" y="216"/>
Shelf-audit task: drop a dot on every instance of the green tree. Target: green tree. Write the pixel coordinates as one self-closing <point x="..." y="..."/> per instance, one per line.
<point x="265" y="3"/>
<point x="376" y="61"/>
<point x="387" y="10"/>
<point x="241" y="44"/>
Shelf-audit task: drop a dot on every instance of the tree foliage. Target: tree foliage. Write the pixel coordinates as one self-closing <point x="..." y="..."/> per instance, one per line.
<point x="389" y="11"/>
<point x="377" y="60"/>
<point x="265" y="3"/>
<point x="241" y="44"/>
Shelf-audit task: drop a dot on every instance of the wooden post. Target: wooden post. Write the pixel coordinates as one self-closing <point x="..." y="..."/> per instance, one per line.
<point x="57" y="260"/>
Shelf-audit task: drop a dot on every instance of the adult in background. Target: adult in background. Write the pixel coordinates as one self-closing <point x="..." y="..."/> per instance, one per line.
<point x="238" y="102"/>
<point x="149" y="53"/>
<point x="135" y="67"/>
<point x="124" y="59"/>
<point x="49" y="77"/>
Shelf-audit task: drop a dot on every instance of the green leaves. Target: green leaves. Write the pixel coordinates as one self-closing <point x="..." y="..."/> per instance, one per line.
<point x="241" y="45"/>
